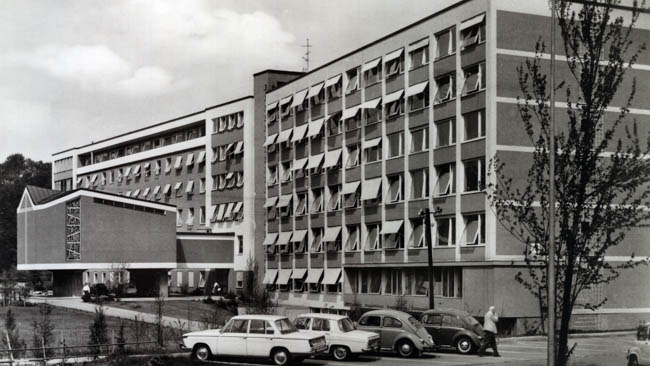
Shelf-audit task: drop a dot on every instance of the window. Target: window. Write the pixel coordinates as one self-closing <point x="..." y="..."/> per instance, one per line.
<point x="168" y="165"/>
<point x="419" y="140"/>
<point x="334" y="124"/>
<point x="353" y="155"/>
<point x="179" y="189"/>
<point x="353" y="123"/>
<point x="474" y="229"/>
<point x="317" y="240"/>
<point x="373" y="238"/>
<point x="272" y="113"/>
<point x="420" y="56"/>
<point x="446" y="132"/>
<point x="372" y="115"/>
<point x="395" y="188"/>
<point x="474" y="124"/>
<point x="201" y="185"/>
<point x="420" y="100"/>
<point x="474" y="175"/>
<point x="272" y="175"/>
<point x="474" y="78"/>
<point x="202" y="215"/>
<point x="302" y="323"/>
<point x="369" y="283"/>
<point x="420" y="283"/>
<point x="371" y="321"/>
<point x="473" y="34"/>
<point x="351" y="195"/>
<point x="417" y="239"/>
<point x="301" y="203"/>
<point x="395" y="145"/>
<point x="446" y="88"/>
<point x="286" y="171"/>
<point x="320" y="325"/>
<point x="393" y="284"/>
<point x="446" y="41"/>
<point x="190" y="217"/>
<point x="446" y="179"/>
<point x="394" y="63"/>
<point x="353" y="80"/>
<point x="333" y="87"/>
<point x="373" y="153"/>
<point x="446" y="231"/>
<point x="395" y="108"/>
<point x="334" y="203"/>
<point x="73" y="230"/>
<point x="373" y="75"/>
<point x="354" y="232"/>
<point x="240" y="247"/>
<point x="317" y="200"/>
<point x="390" y="322"/>
<point x="420" y="183"/>
<point x="179" y="217"/>
<point x="448" y="282"/>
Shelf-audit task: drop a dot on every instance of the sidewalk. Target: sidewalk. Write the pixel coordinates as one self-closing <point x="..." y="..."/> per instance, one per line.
<point x="571" y="336"/>
<point x="77" y="304"/>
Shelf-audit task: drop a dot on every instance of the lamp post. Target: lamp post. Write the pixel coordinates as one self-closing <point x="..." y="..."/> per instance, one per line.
<point x="550" y="272"/>
<point x="426" y="214"/>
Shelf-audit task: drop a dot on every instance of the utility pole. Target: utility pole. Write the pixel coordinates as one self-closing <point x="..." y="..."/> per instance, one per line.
<point x="426" y="214"/>
<point x="550" y="272"/>
<point x="307" y="48"/>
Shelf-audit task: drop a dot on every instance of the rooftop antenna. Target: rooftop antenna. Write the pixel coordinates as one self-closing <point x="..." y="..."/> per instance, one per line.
<point x="307" y="47"/>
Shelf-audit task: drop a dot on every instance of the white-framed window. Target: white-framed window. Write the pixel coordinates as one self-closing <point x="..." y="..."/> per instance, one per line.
<point x="419" y="56"/>
<point x="272" y="175"/>
<point x="419" y="100"/>
<point x="179" y="189"/>
<point x="168" y="165"/>
<point x="287" y="171"/>
<point x="240" y="178"/>
<point x="419" y="139"/>
<point x="369" y="282"/>
<point x="201" y="185"/>
<point x="334" y="203"/>
<point x="353" y="155"/>
<point x="472" y="35"/>
<point x="334" y="90"/>
<point x="446" y="132"/>
<point x="110" y="177"/>
<point x="373" y="75"/>
<point x="446" y="88"/>
<point x="417" y="239"/>
<point x="354" y="235"/>
<point x="474" y="229"/>
<point x="190" y="217"/>
<point x="474" y="78"/>
<point x="445" y="231"/>
<point x="302" y="203"/>
<point x="179" y="217"/>
<point x="393" y="285"/>
<point x="474" y="174"/>
<point x="353" y="123"/>
<point x="420" y="183"/>
<point x="334" y="125"/>
<point x="373" y="154"/>
<point x="317" y="198"/>
<point x="395" y="146"/>
<point x="239" y="283"/>
<point x="272" y="115"/>
<point x="202" y="215"/>
<point x="395" y="188"/>
<point x="373" y="237"/>
<point x="446" y="41"/>
<point x="395" y="66"/>
<point x="317" y="240"/>
<point x="352" y="76"/>
<point x="474" y="124"/>
<point x="394" y="108"/>
<point x="446" y="183"/>
<point x="372" y="115"/>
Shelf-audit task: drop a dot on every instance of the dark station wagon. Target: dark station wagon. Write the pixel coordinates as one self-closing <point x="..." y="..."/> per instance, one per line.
<point x="451" y="328"/>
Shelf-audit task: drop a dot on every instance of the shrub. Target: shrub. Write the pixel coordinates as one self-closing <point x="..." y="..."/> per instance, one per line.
<point x="43" y="331"/>
<point x="15" y="342"/>
<point x="98" y="330"/>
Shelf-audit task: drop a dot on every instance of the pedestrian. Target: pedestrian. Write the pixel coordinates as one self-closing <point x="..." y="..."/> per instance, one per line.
<point x="490" y="330"/>
<point x="86" y="289"/>
<point x="216" y="288"/>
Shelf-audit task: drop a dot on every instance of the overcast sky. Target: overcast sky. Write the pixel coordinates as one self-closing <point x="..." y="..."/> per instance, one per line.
<point x="76" y="71"/>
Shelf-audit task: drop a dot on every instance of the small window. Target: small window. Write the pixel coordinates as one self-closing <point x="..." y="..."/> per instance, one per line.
<point x="420" y="183"/>
<point x="236" y="326"/>
<point x="302" y="323"/>
<point x="334" y="203"/>
<point x="352" y="245"/>
<point x="473" y="35"/>
<point x="419" y="57"/>
<point x="301" y="204"/>
<point x="373" y="75"/>
<point x="353" y="80"/>
<point x="446" y="89"/>
<point x="260" y="327"/>
<point x="446" y="180"/>
<point x="395" y="108"/>
<point x="417" y="239"/>
<point x="373" y="238"/>
<point x="353" y="156"/>
<point x="370" y="321"/>
<point x="474" y="78"/>
<point x="474" y="175"/>
<point x="446" y="231"/>
<point x="395" y="188"/>
<point x="390" y="322"/>
<point x="419" y="100"/>
<point x="446" y="132"/>
<point x="320" y="325"/>
<point x="446" y="41"/>
<point x="395" y="65"/>
<point x="419" y="140"/>
<point x="395" y="145"/>
<point x="474" y="124"/>
<point x="317" y="240"/>
<point x="474" y="229"/>
<point x="317" y="200"/>
<point x="373" y="154"/>
<point x="334" y="125"/>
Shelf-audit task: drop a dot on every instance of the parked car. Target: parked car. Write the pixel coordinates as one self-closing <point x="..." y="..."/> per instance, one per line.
<point x="130" y="290"/>
<point x="255" y="336"/>
<point x="398" y="331"/>
<point x="451" y="328"/>
<point x="639" y="354"/>
<point x="342" y="338"/>
<point x="98" y="293"/>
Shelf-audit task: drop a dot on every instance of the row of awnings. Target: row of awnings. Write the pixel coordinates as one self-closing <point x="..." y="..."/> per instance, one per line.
<point x="369" y="191"/>
<point x="281" y="277"/>
<point x="300" y="96"/>
<point x="332" y="233"/>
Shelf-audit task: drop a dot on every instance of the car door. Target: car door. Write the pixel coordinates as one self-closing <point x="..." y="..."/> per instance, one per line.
<point x="321" y="327"/>
<point x="433" y="325"/>
<point x="260" y="338"/>
<point x="451" y="325"/>
<point x="302" y="323"/>
<point x="372" y="323"/>
<point x="391" y="328"/>
<point x="232" y="340"/>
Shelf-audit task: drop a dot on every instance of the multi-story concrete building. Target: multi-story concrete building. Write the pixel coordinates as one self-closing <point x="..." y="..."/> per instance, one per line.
<point x="358" y="147"/>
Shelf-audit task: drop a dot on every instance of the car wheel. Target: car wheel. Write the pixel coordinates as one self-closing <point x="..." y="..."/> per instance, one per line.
<point x="464" y="345"/>
<point x="340" y="353"/>
<point x="201" y="352"/>
<point x="633" y="361"/>
<point x="281" y="357"/>
<point x="406" y="349"/>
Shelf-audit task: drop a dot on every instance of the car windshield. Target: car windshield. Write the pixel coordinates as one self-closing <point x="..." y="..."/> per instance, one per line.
<point x="285" y="326"/>
<point x="416" y="323"/>
<point x="346" y="325"/>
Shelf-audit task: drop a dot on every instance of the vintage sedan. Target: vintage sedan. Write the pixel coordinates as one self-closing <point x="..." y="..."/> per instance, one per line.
<point x="255" y="336"/>
<point x="639" y="353"/>
<point x="339" y="331"/>
<point x="451" y="328"/>
<point x="398" y="331"/>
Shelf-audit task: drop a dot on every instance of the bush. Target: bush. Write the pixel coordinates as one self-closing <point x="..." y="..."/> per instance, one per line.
<point x="98" y="329"/>
<point x="196" y="292"/>
<point x="12" y="335"/>
<point x="43" y="331"/>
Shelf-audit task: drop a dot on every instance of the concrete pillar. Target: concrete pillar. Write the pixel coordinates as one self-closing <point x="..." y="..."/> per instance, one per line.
<point x="67" y="283"/>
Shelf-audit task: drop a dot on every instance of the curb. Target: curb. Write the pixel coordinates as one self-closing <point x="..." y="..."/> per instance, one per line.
<point x="571" y="336"/>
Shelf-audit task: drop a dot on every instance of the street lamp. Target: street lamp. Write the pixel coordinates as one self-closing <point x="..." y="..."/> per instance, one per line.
<point x="550" y="272"/>
<point x="426" y="214"/>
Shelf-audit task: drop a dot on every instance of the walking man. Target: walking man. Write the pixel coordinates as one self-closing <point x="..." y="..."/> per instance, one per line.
<point x="490" y="330"/>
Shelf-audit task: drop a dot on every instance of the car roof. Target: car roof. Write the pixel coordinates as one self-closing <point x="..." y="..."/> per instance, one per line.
<point x="447" y="311"/>
<point x="322" y="316"/>
<point x="390" y="312"/>
<point x="260" y="316"/>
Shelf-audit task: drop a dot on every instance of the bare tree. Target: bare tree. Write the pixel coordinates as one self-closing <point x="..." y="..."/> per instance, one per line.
<point x="601" y="170"/>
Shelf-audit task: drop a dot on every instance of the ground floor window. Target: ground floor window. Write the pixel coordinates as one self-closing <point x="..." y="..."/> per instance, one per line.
<point x="239" y="279"/>
<point x="448" y="282"/>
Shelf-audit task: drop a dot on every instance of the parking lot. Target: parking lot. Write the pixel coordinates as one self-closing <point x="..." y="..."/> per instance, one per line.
<point x="589" y="351"/>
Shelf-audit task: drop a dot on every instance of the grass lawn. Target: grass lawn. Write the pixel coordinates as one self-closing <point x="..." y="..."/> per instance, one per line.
<point x="193" y="310"/>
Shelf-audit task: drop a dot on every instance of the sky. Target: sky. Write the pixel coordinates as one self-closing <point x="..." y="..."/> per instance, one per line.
<point x="72" y="72"/>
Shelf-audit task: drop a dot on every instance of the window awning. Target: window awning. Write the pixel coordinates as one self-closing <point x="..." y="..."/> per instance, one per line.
<point x="190" y="186"/>
<point x="127" y="173"/>
<point x="299" y="132"/>
<point x="284" y="238"/>
<point x="300" y="163"/>
<point x="371" y="143"/>
<point x="136" y="193"/>
<point x="270" y="238"/>
<point x="238" y="208"/>
<point x="315" y="161"/>
<point x="167" y="188"/>
<point x="332" y="276"/>
<point x="283" y="277"/>
<point x="178" y="186"/>
<point x="285" y="100"/>
<point x="298" y="236"/>
<point x="190" y="159"/>
<point x="370" y="189"/>
<point x="350" y="112"/>
<point x="285" y="200"/>
<point x="270" y="202"/>
<point x="419" y="44"/>
<point x="332" y="158"/>
<point x="270" y="276"/>
<point x="315" y="90"/>
<point x="201" y="158"/>
<point x="298" y="98"/>
<point x="146" y="191"/>
<point x="315" y="127"/>
<point x="211" y="211"/>
<point x="270" y="139"/>
<point x="370" y="65"/>
<point x="391" y="227"/>
<point x="284" y="136"/>
<point x="393" y="96"/>
<point x="239" y="148"/>
<point x="179" y="162"/>
<point x="332" y="233"/>
<point x="147" y="165"/>
<point x="94" y="178"/>
<point x="349" y="188"/>
<point x="416" y="89"/>
<point x="371" y="104"/>
<point x="221" y="212"/>
<point x="332" y="81"/>
<point x="314" y="275"/>
<point x="79" y="179"/>
<point x="472" y="22"/>
<point x="229" y="210"/>
<point x="230" y="175"/>
<point x="393" y="55"/>
<point x="271" y="106"/>
<point x="298" y="273"/>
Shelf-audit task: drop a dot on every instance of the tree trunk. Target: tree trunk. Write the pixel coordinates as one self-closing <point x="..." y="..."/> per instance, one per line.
<point x="563" y="340"/>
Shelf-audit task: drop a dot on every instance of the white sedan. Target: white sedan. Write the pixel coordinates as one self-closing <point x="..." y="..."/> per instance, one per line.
<point x="339" y="331"/>
<point x="255" y="336"/>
